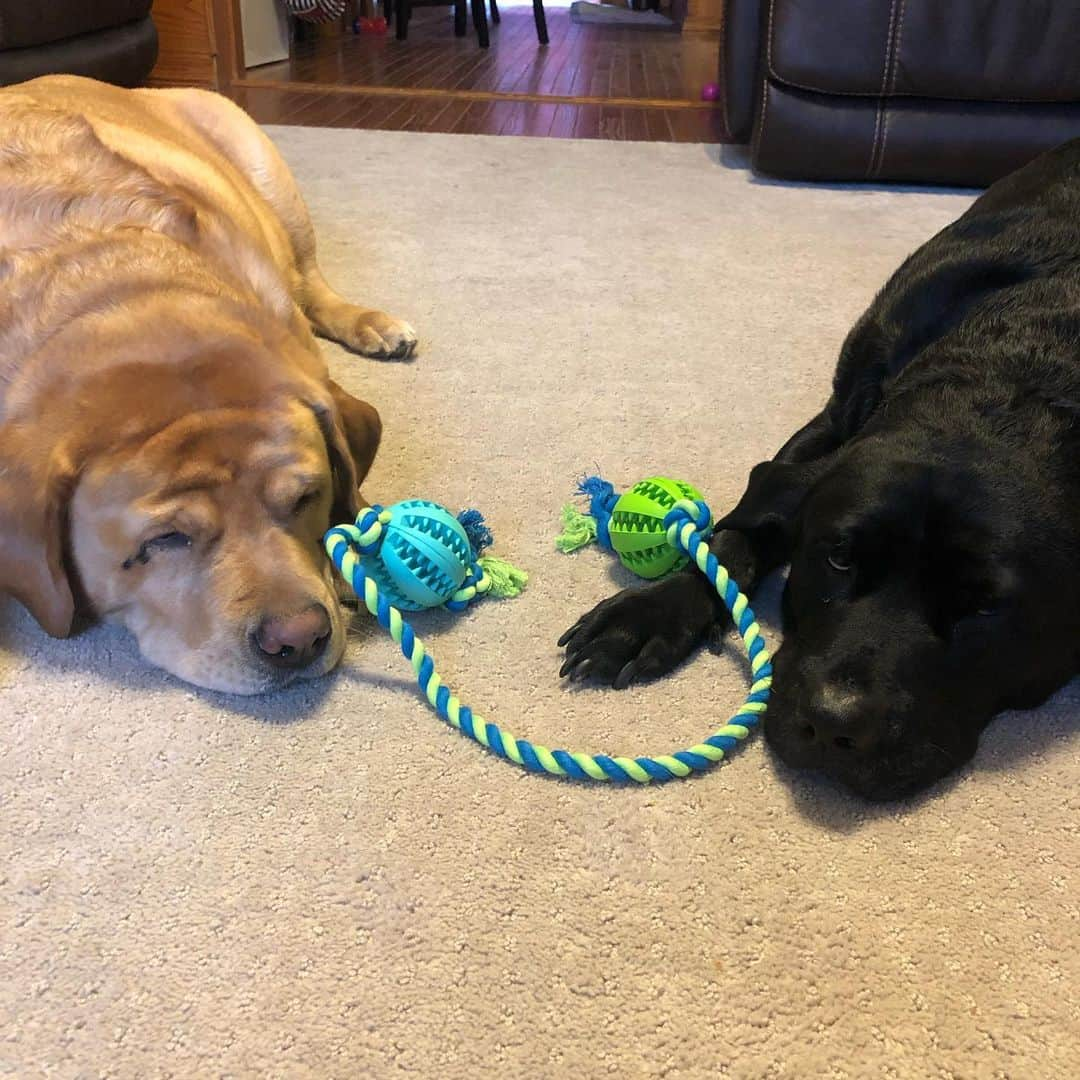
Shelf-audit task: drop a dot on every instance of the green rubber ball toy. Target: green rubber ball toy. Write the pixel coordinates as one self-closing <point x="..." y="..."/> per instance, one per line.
<point x="630" y="524"/>
<point x="637" y="530"/>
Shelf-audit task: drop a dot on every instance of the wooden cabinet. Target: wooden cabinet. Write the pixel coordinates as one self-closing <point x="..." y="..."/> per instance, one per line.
<point x="196" y="43"/>
<point x="703" y="15"/>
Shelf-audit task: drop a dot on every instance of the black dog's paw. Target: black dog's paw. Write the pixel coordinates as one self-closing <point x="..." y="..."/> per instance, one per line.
<point x="639" y="633"/>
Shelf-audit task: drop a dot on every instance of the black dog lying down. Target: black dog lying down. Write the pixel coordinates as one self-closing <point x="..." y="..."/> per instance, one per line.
<point x="930" y="512"/>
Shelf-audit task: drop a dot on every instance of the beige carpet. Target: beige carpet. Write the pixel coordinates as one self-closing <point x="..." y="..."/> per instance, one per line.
<point x="332" y="883"/>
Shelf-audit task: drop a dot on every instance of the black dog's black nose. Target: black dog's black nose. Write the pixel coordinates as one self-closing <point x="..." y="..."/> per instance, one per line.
<point x="842" y="720"/>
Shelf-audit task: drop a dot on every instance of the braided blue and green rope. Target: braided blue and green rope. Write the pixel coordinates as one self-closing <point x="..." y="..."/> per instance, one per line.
<point x="687" y="527"/>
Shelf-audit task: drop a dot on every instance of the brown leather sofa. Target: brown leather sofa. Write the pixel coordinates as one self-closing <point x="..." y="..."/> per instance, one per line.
<point x="113" y="40"/>
<point x="929" y="91"/>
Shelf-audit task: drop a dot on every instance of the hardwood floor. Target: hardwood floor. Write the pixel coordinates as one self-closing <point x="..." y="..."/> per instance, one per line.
<point x="489" y="116"/>
<point x="592" y="81"/>
<point x="583" y="60"/>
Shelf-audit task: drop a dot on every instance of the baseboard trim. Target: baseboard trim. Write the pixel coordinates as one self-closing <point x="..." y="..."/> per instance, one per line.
<point x="469" y="95"/>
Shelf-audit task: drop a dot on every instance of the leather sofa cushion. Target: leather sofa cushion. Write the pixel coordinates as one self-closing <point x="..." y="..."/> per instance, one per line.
<point x="964" y="50"/>
<point x="828" y="137"/>
<point x="124" y="55"/>
<point x="37" y="22"/>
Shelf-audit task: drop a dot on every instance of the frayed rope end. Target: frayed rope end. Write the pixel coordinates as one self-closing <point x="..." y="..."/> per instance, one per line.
<point x="507" y="581"/>
<point x="579" y="530"/>
<point x="594" y="486"/>
<point x="472" y="521"/>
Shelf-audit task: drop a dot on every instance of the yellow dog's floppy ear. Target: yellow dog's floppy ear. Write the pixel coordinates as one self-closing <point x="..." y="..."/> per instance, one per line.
<point x="362" y="428"/>
<point x="34" y="498"/>
<point x="352" y="431"/>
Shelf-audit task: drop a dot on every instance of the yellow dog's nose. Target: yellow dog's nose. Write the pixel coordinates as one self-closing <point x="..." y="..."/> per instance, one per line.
<point x="294" y="641"/>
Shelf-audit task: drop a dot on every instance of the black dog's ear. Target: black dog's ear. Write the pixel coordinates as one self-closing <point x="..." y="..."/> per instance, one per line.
<point x="773" y="496"/>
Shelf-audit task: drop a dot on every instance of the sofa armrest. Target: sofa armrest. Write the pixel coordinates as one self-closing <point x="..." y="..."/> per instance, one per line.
<point x="741" y="48"/>
<point x="959" y="50"/>
<point x="26" y="23"/>
<point x="908" y="90"/>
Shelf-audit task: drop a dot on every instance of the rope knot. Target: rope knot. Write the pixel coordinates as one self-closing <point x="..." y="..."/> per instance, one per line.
<point x="476" y="584"/>
<point x="368" y="531"/>
<point x="687" y="524"/>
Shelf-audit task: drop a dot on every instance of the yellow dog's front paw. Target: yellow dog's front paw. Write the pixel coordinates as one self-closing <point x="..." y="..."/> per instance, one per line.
<point x="382" y="336"/>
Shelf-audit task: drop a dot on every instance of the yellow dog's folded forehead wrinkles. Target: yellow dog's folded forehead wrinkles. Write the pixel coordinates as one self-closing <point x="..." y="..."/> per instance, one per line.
<point x="193" y="476"/>
<point x="273" y="457"/>
<point x="283" y="486"/>
<point x="216" y="438"/>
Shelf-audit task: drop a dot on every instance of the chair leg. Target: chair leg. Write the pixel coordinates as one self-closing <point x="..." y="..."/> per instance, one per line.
<point x="479" y="18"/>
<point x="403" y="9"/>
<point x="461" y="16"/>
<point x="541" y="21"/>
<point x="496" y="18"/>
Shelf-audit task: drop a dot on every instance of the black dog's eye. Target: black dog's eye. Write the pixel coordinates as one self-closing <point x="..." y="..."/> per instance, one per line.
<point x="164" y="542"/>
<point x="977" y="617"/>
<point x="977" y="606"/>
<point x="840" y="557"/>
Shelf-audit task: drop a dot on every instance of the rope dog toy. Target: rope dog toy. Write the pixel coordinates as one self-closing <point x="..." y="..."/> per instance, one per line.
<point x="377" y="566"/>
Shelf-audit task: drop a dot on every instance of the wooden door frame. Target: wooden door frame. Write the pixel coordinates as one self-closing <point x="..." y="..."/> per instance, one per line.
<point x="228" y="37"/>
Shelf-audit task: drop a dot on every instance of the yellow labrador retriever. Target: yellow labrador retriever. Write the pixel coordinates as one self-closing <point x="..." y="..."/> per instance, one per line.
<point x="171" y="446"/>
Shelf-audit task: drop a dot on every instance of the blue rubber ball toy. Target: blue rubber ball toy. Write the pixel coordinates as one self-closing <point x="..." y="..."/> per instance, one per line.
<point x="425" y="556"/>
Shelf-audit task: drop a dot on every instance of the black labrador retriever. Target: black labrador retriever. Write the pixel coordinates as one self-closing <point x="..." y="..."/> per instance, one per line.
<point x="930" y="513"/>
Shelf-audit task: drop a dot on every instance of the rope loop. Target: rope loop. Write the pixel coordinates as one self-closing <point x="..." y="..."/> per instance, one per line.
<point x="687" y="526"/>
